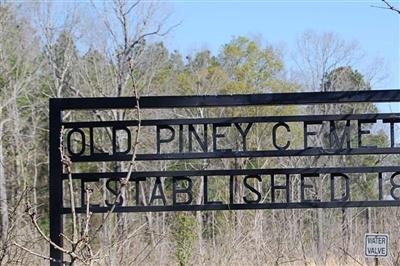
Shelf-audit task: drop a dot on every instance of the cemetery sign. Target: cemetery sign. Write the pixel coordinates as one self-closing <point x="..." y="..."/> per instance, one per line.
<point x="206" y="138"/>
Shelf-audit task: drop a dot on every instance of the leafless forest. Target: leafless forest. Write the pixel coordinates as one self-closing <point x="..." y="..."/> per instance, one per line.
<point x="116" y="49"/>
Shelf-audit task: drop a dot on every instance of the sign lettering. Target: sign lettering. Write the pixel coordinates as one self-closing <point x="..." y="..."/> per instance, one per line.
<point x="376" y="245"/>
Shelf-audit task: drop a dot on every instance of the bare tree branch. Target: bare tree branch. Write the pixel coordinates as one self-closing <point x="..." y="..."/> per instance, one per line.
<point x="131" y="7"/>
<point x="37" y="254"/>
<point x="67" y="162"/>
<point x="388" y="6"/>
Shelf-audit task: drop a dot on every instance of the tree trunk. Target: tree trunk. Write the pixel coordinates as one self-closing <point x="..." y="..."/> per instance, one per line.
<point x="3" y="190"/>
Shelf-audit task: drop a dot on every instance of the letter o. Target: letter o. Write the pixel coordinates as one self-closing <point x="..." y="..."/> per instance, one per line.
<point x="69" y="144"/>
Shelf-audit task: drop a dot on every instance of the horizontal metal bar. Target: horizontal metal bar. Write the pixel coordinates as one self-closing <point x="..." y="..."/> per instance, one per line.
<point x="297" y="98"/>
<point x="254" y="119"/>
<point x="234" y="154"/>
<point x="224" y="172"/>
<point x="220" y="207"/>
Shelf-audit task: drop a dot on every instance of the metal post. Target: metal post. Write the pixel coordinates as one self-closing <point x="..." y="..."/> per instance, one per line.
<point x="55" y="183"/>
<point x="376" y="258"/>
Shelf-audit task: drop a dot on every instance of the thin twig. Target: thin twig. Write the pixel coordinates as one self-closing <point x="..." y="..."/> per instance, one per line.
<point x="348" y="254"/>
<point x="388" y="6"/>
<point x="132" y="7"/>
<point x="67" y="162"/>
<point x="35" y="253"/>
<point x="33" y="217"/>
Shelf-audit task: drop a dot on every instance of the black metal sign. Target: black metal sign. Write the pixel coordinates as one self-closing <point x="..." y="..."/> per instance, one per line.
<point x="206" y="138"/>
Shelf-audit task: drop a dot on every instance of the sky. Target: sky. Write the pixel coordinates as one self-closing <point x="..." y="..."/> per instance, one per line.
<point x="211" y="24"/>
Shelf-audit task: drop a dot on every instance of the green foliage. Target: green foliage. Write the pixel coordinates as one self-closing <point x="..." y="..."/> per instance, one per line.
<point x="242" y="66"/>
<point x="183" y="233"/>
<point x="345" y="78"/>
<point x="250" y="67"/>
<point x="44" y="224"/>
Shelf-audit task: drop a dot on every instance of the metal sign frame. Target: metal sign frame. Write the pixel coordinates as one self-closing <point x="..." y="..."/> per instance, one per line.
<point x="58" y="105"/>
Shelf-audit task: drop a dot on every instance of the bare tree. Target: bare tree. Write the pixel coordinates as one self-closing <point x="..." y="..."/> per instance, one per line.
<point x="19" y="72"/>
<point x="131" y="68"/>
